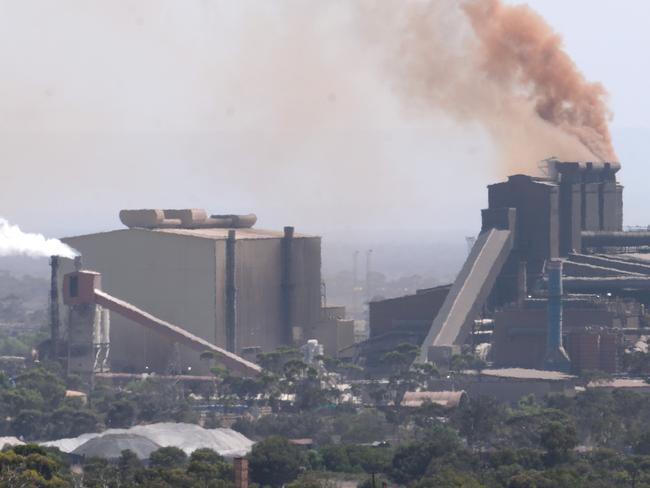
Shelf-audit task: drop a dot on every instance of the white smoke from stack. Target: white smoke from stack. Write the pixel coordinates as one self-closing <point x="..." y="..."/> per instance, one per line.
<point x="15" y="242"/>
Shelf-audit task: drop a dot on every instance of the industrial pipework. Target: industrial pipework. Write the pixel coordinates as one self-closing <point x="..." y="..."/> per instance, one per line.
<point x="556" y="358"/>
<point x="187" y="218"/>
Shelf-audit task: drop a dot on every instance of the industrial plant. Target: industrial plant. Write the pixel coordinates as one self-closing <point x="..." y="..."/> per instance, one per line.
<point x="552" y="282"/>
<point x="177" y="285"/>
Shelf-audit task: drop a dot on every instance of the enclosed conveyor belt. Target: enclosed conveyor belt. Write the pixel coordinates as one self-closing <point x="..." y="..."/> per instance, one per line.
<point x="611" y="262"/>
<point x="615" y="239"/>
<point x="83" y="287"/>
<point x="468" y="293"/>
<point x="606" y="284"/>
<point x="174" y="333"/>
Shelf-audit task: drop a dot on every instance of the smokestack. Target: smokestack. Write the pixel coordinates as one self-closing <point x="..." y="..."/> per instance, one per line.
<point x="556" y="357"/>
<point x="241" y="472"/>
<point x="287" y="283"/>
<point x="231" y="293"/>
<point x="55" y="319"/>
<point x="368" y="271"/>
<point x="522" y="284"/>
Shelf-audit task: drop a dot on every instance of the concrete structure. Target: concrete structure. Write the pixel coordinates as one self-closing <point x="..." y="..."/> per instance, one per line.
<point x="239" y="288"/>
<point x="333" y="331"/>
<point x="510" y="384"/>
<point x="575" y="214"/>
<point x="397" y="320"/>
<point x="520" y="334"/>
<point x="410" y="314"/>
<point x="474" y="283"/>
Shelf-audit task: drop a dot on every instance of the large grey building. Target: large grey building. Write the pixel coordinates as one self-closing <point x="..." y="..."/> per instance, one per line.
<point x="243" y="289"/>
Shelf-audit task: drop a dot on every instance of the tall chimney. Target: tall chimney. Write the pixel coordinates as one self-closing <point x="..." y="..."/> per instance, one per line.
<point x="556" y="358"/>
<point x="522" y="286"/>
<point x="287" y="283"/>
<point x="55" y="319"/>
<point x="231" y="293"/>
<point x="368" y="272"/>
<point x="241" y="472"/>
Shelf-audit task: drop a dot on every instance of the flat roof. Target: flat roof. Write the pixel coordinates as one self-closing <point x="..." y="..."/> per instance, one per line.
<point x="523" y="374"/>
<point x="222" y="233"/>
<point x="620" y="383"/>
<point x="205" y="233"/>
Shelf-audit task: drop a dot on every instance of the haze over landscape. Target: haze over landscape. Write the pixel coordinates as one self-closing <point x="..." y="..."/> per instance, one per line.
<point x="272" y="110"/>
<point x="324" y="244"/>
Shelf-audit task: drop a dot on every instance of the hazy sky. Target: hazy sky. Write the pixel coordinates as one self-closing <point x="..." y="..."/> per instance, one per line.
<point x="217" y="104"/>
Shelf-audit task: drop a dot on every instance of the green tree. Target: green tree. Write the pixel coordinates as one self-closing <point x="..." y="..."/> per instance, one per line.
<point x="335" y="458"/>
<point x="128" y="466"/>
<point x="99" y="473"/>
<point x="406" y="376"/>
<point x="168" y="457"/>
<point x="121" y="414"/>
<point x="49" y="385"/>
<point x="29" y="424"/>
<point x="71" y="422"/>
<point x="410" y="462"/>
<point x="558" y="439"/>
<point x="206" y="465"/>
<point x="32" y="466"/>
<point x="449" y="478"/>
<point x="478" y="419"/>
<point x="275" y="461"/>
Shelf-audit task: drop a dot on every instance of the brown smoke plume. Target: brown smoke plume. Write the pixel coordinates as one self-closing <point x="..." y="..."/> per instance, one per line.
<point x="294" y="108"/>
<point x="521" y="51"/>
<point x="502" y="67"/>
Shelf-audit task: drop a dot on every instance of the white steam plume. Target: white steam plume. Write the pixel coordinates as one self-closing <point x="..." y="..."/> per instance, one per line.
<point x="15" y="242"/>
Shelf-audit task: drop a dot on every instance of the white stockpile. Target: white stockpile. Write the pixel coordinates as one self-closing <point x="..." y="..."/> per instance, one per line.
<point x="187" y="437"/>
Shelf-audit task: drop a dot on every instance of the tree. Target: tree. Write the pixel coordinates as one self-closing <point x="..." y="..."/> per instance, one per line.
<point x="71" y="422"/>
<point x="275" y="461"/>
<point x="335" y="458"/>
<point x="29" y="424"/>
<point x="121" y="414"/>
<point x="48" y="384"/>
<point x="98" y="473"/>
<point x="558" y="439"/>
<point x="168" y="457"/>
<point x="311" y="480"/>
<point x="32" y="466"/>
<point x="128" y="466"/>
<point x="410" y="462"/>
<point x="206" y="464"/>
<point x="449" y="478"/>
<point x="275" y="361"/>
<point x="405" y="375"/>
<point x="642" y="444"/>
<point x="477" y="419"/>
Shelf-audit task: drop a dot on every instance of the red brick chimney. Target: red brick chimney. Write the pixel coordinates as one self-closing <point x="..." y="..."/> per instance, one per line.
<point x="241" y="472"/>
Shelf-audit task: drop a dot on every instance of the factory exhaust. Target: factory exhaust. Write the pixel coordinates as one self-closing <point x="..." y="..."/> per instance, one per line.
<point x="15" y="242"/>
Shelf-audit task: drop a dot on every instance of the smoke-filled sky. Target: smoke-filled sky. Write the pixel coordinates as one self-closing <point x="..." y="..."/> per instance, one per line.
<point x="332" y="116"/>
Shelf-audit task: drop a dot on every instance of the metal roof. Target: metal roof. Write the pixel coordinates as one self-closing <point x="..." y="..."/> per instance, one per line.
<point x="523" y="374"/>
<point x="447" y="399"/>
<point x="219" y="233"/>
<point x="216" y="234"/>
